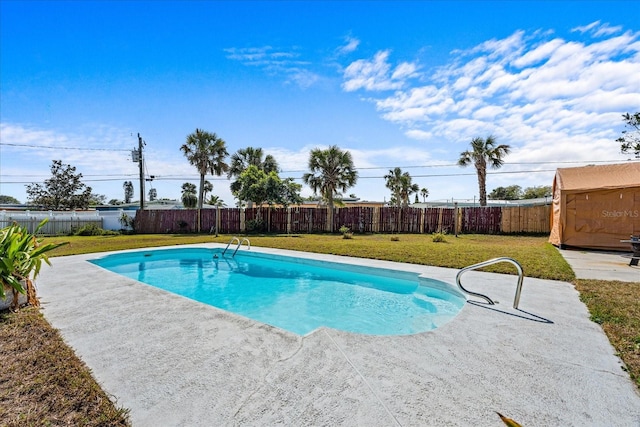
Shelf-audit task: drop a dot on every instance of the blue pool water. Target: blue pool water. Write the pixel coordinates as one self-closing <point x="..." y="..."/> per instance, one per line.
<point x="295" y="294"/>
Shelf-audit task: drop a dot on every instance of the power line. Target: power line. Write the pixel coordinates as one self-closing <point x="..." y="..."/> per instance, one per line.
<point x="63" y="148"/>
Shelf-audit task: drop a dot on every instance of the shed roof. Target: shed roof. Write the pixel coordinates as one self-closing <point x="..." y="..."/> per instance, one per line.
<point x="620" y="175"/>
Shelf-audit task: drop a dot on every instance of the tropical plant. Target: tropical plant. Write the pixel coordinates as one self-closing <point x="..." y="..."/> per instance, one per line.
<point x="216" y="201"/>
<point x="424" y="192"/>
<point x="401" y="186"/>
<point x="21" y="257"/>
<point x="332" y="173"/>
<point x="62" y="191"/>
<point x="189" y="198"/>
<point x="484" y="152"/>
<point x="207" y="152"/>
<point x="128" y="191"/>
<point x="245" y="157"/>
<point x="208" y="188"/>
<point x="630" y="139"/>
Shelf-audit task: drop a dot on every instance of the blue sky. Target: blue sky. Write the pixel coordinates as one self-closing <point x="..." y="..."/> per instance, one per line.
<point x="398" y="84"/>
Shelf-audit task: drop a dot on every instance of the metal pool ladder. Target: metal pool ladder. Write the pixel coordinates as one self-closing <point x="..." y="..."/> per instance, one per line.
<point x="516" y="300"/>
<point x="240" y="242"/>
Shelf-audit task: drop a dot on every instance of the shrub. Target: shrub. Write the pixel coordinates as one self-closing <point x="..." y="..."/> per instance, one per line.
<point x="346" y="232"/>
<point x="395" y="238"/>
<point x="439" y="237"/>
<point x="255" y="225"/>
<point x="91" y="230"/>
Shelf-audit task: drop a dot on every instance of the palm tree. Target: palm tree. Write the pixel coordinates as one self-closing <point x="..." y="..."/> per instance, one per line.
<point x="128" y="191"/>
<point x="189" y="198"/>
<point x="424" y="192"/>
<point x="245" y="157"/>
<point x="216" y="201"/>
<point x="483" y="152"/>
<point x="207" y="153"/>
<point x="208" y="188"/>
<point x="332" y="173"/>
<point x="401" y="186"/>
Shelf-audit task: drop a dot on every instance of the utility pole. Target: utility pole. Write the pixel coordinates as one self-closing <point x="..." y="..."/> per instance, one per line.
<point x="141" y="163"/>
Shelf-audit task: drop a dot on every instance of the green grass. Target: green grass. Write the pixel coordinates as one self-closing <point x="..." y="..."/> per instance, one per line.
<point x="614" y="305"/>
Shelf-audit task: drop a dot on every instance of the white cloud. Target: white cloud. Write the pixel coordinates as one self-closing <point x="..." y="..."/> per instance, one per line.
<point x="377" y="74"/>
<point x="351" y="44"/>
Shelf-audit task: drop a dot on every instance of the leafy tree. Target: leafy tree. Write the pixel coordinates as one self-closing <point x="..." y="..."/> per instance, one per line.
<point x="189" y="198"/>
<point x="207" y="152"/>
<point x="401" y="186"/>
<point x="62" y="191"/>
<point x="153" y="194"/>
<point x="115" y="202"/>
<point x="630" y="139"/>
<point x="245" y="157"/>
<point x="512" y="192"/>
<point x="417" y="199"/>
<point x="332" y="173"/>
<point x="424" y="192"/>
<point x="537" y="192"/>
<point x="97" y="199"/>
<point x="484" y="152"/>
<point x="8" y="200"/>
<point x="260" y="187"/>
<point x="128" y="191"/>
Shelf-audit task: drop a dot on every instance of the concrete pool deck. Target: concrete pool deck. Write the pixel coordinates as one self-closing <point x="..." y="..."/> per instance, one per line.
<point x="177" y="362"/>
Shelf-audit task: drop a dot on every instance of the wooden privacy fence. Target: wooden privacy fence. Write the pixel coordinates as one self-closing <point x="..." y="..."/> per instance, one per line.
<point x="481" y="220"/>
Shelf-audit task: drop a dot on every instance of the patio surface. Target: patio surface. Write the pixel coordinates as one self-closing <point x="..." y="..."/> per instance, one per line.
<point x="176" y="362"/>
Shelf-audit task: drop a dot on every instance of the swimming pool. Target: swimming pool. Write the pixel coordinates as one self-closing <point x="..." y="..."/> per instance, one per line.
<point x="296" y="294"/>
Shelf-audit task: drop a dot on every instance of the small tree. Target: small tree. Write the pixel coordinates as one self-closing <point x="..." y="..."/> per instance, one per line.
<point x="128" y="191"/>
<point x="153" y="194"/>
<point x="630" y="139"/>
<point x="62" y="191"/>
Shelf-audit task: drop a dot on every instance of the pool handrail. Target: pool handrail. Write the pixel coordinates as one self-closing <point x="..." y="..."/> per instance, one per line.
<point x="516" y="300"/>
<point x="240" y="242"/>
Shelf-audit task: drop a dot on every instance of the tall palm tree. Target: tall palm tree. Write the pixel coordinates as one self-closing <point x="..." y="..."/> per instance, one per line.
<point x="332" y="173"/>
<point x="128" y="191"/>
<point x="401" y="186"/>
<point x="424" y="192"/>
<point x="245" y="157"/>
<point x="484" y="152"/>
<point x="207" y="153"/>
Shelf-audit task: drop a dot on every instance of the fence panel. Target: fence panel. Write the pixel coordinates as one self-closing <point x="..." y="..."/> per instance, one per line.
<point x="526" y="219"/>
<point x="482" y="220"/>
<point x="229" y="221"/>
<point x="358" y="219"/>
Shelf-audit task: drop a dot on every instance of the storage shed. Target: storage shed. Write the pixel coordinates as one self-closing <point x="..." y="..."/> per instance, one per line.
<point x="596" y="206"/>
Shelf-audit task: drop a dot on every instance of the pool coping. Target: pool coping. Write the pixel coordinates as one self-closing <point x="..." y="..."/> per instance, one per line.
<point x="174" y="361"/>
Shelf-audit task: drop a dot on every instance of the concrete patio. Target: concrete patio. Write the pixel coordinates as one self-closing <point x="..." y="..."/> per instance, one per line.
<point x="177" y="362"/>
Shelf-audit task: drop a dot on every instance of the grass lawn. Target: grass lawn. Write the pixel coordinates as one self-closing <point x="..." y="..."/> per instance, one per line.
<point x="36" y="348"/>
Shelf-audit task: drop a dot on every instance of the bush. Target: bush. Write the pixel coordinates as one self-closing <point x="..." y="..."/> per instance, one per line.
<point x="255" y="225"/>
<point x="395" y="238"/>
<point x="346" y="232"/>
<point x="439" y="237"/>
<point x="91" y="230"/>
